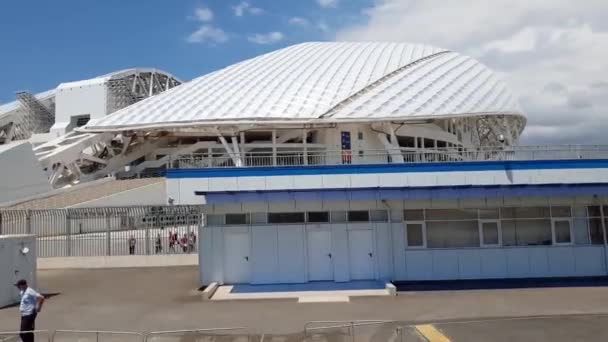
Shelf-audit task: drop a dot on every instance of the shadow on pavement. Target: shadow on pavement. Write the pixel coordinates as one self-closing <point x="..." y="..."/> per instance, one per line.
<point x="491" y="284"/>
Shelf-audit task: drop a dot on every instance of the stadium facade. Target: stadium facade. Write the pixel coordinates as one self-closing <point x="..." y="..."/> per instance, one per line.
<point x="350" y="161"/>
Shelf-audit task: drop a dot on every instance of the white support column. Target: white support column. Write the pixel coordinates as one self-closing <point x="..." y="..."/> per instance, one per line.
<point x="151" y="84"/>
<point x="274" y="147"/>
<point x="210" y="156"/>
<point x="392" y="146"/>
<point x="305" y="147"/>
<point x="237" y="152"/>
<point x="229" y="150"/>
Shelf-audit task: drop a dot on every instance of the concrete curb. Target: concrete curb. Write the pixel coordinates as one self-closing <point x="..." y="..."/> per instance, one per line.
<point x="209" y="291"/>
<point x="128" y="261"/>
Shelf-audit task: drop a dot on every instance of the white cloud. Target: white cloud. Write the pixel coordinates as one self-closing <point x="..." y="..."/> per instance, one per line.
<point x="553" y="53"/>
<point x="328" y="3"/>
<point x="268" y="38"/>
<point x="203" y="14"/>
<point x="245" y="8"/>
<point x="208" y="34"/>
<point x="299" y="21"/>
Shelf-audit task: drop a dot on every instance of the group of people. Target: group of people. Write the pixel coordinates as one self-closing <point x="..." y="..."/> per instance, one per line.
<point x="187" y="243"/>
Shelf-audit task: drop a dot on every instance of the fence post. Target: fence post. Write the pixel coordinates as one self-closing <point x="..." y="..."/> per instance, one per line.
<point x="68" y="232"/>
<point x="108" y="237"/>
<point x="28" y="221"/>
<point x="147" y="239"/>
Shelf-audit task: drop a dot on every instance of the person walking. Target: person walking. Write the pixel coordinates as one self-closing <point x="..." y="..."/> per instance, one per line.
<point x="158" y="244"/>
<point x="132" y="243"/>
<point x="172" y="241"/>
<point x="29" y="307"/>
<point x="184" y="243"/>
<point x="191" y="242"/>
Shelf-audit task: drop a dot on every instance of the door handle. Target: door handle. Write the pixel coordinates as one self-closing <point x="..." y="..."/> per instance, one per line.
<point x="247" y="258"/>
<point x="329" y="255"/>
<point x="371" y="255"/>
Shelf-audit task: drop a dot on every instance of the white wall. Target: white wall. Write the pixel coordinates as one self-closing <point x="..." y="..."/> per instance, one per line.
<point x="183" y="189"/>
<point x="22" y="175"/>
<point x="76" y="99"/>
<point x="14" y="265"/>
<point x="153" y="194"/>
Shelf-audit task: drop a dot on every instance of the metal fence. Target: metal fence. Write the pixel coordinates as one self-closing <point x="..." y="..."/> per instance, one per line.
<point x="96" y="336"/>
<point x="14" y="336"/>
<point x="237" y="334"/>
<point x="144" y="230"/>
<point x="402" y="155"/>
<point x="352" y="331"/>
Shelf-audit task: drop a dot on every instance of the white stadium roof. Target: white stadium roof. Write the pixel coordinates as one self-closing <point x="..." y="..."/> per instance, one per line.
<point x="327" y="82"/>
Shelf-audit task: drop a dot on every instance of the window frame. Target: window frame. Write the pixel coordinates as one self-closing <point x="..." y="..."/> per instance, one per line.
<point x="553" y="235"/>
<point x="481" y="235"/>
<point x="407" y="242"/>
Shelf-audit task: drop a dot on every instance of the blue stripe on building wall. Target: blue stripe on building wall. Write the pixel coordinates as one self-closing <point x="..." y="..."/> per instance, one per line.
<point x="440" y="192"/>
<point x="387" y="168"/>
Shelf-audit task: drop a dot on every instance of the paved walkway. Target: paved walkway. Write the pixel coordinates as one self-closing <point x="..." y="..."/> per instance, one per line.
<point x="166" y="299"/>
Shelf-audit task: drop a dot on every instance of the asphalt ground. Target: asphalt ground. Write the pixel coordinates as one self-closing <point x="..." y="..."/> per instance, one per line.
<point x="154" y="299"/>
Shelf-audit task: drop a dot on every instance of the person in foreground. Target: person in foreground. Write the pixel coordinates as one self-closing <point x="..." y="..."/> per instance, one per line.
<point x="30" y="306"/>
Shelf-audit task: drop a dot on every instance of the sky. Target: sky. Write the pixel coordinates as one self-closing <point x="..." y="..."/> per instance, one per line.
<point x="553" y="53"/>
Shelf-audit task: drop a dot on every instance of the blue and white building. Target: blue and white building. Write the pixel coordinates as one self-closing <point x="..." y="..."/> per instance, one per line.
<point x="350" y="161"/>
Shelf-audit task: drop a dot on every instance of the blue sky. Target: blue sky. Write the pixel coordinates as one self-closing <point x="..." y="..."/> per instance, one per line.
<point x="44" y="43"/>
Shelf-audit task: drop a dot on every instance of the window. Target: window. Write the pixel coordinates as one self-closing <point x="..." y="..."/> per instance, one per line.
<point x="259" y="218"/>
<point x="237" y="219"/>
<point x="285" y="217"/>
<point x="452" y="234"/>
<point x="526" y="232"/>
<point x="526" y="212"/>
<point x="379" y="215"/>
<point x="488" y="214"/>
<point x="415" y="234"/>
<point x="561" y="212"/>
<point x="360" y="135"/>
<point x="561" y="232"/>
<point x="338" y="216"/>
<point x="318" y="216"/>
<point x="358" y="216"/>
<point x="215" y="220"/>
<point x="596" y="231"/>
<point x="451" y="214"/>
<point x="413" y="214"/>
<point x="490" y="233"/>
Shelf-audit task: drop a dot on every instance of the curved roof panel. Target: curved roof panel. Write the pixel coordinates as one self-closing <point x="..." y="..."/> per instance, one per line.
<point x="327" y="81"/>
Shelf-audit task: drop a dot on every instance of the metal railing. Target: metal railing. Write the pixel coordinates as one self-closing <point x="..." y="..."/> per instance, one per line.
<point x="144" y="230"/>
<point x="351" y="331"/>
<point x="403" y="155"/>
<point x="14" y="336"/>
<point x="236" y="334"/>
<point x="96" y="336"/>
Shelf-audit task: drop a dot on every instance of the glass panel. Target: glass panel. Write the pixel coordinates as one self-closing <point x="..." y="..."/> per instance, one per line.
<point x="451" y="214"/>
<point x="488" y="213"/>
<point x="490" y="233"/>
<point x="526" y="212"/>
<point x="562" y="232"/>
<point x="215" y="220"/>
<point x="594" y="211"/>
<point x="396" y="215"/>
<point x="379" y="215"/>
<point x="318" y="216"/>
<point x="581" y="231"/>
<point x="561" y="212"/>
<point x="259" y="218"/>
<point x="415" y="235"/>
<point x="596" y="231"/>
<point x="285" y="217"/>
<point x="526" y="232"/>
<point x="338" y="216"/>
<point x="236" y="219"/>
<point x="442" y="234"/>
<point x="414" y="214"/>
<point x="358" y="216"/>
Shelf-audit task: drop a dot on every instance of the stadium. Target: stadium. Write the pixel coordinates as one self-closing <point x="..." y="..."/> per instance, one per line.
<point x="329" y="161"/>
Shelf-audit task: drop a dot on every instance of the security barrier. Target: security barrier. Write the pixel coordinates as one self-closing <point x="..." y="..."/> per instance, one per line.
<point x="234" y="334"/>
<point x="14" y="336"/>
<point x="351" y="331"/>
<point x="96" y="336"/>
<point x="143" y="230"/>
